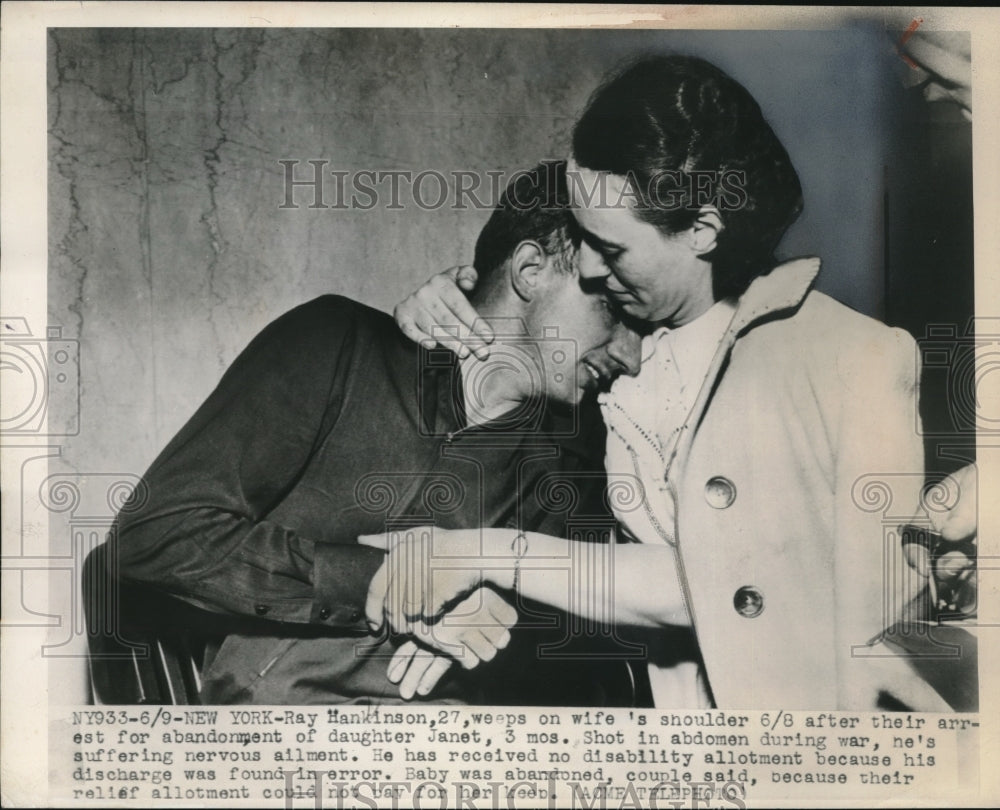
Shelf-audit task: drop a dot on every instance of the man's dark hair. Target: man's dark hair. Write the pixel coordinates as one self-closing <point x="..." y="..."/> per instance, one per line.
<point x="663" y="120"/>
<point x="534" y="206"/>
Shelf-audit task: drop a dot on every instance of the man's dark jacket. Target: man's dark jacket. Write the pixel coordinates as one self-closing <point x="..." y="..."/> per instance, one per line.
<point x="330" y="425"/>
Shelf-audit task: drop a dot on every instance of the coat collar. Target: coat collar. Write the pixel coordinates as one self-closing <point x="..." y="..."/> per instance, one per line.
<point x="775" y="295"/>
<point x="781" y="290"/>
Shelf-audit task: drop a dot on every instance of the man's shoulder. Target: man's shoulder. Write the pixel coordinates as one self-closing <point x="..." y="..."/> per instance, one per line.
<point x="333" y="311"/>
<point x="333" y="320"/>
<point x="325" y="333"/>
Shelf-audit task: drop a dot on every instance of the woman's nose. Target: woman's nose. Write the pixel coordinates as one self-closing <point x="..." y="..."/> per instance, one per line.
<point x="591" y="264"/>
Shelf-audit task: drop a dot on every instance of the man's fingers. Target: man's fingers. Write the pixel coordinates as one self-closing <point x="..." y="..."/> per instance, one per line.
<point x="438" y="667"/>
<point x="401" y="661"/>
<point x="419" y="664"/>
<point x="409" y="580"/>
<point x="423" y="671"/>
<point x="918" y="558"/>
<point x="960" y="521"/>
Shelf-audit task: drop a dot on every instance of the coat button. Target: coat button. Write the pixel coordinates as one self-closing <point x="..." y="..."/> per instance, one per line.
<point x="355" y="616"/>
<point x="261" y="610"/>
<point x="324" y="613"/>
<point x="720" y="492"/>
<point x="748" y="601"/>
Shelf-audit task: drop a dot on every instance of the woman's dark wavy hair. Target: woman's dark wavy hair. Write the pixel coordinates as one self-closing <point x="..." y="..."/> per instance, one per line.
<point x="663" y="118"/>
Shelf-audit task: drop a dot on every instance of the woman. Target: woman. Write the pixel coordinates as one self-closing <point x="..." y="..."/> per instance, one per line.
<point x="765" y="419"/>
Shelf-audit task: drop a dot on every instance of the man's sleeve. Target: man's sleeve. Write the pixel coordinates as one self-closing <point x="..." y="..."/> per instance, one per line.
<point x="198" y="527"/>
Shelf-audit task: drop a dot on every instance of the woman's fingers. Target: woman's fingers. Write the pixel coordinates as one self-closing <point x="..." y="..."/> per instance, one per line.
<point x="448" y="303"/>
<point x="420" y="586"/>
<point x="500" y="609"/>
<point x="415" y="566"/>
<point x="465" y="277"/>
<point x="476" y="648"/>
<point x="406" y="321"/>
<point x="447" y="584"/>
<point x="382" y="541"/>
<point x="395" y="590"/>
<point x="440" y="314"/>
<point x="396" y="605"/>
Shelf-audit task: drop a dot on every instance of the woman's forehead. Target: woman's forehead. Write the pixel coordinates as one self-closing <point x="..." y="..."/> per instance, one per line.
<point x="610" y="220"/>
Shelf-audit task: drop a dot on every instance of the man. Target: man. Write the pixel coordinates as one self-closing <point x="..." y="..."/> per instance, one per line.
<point x="330" y="425"/>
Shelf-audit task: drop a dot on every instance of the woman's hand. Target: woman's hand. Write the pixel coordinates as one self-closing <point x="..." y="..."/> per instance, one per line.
<point x="427" y="568"/>
<point x="472" y="633"/>
<point x="440" y="314"/>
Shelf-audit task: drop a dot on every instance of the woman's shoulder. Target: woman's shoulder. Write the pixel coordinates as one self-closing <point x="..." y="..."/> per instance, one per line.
<point x="825" y="322"/>
<point x="824" y="339"/>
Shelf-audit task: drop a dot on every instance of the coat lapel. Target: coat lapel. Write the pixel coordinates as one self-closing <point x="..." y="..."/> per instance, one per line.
<point x="774" y="295"/>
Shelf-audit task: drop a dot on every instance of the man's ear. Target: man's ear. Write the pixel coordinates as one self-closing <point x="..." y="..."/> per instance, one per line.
<point x="527" y="266"/>
<point x="706" y="229"/>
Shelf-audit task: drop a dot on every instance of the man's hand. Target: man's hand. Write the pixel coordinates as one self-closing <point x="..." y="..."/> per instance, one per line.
<point x="955" y="523"/>
<point x="425" y="569"/>
<point x="472" y="633"/>
<point x="440" y="314"/>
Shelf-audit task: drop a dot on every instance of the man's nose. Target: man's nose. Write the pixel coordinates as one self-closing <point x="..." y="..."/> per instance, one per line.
<point x="591" y="264"/>
<point x="625" y="349"/>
